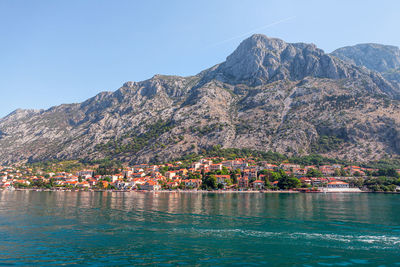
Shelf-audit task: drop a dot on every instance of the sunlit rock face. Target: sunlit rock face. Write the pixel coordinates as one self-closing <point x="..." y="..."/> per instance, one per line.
<point x="267" y="95"/>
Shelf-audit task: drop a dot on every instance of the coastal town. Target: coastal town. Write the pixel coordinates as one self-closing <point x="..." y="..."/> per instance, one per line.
<point x="206" y="174"/>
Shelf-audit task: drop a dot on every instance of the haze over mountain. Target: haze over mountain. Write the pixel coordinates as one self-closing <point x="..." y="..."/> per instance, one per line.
<point x="267" y="95"/>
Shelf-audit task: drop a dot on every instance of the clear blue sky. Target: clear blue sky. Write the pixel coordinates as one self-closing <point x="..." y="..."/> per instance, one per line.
<point x="55" y="52"/>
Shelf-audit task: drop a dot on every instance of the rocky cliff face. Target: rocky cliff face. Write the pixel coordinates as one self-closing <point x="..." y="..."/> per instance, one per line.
<point x="377" y="57"/>
<point x="384" y="59"/>
<point x="267" y="95"/>
<point x="260" y="60"/>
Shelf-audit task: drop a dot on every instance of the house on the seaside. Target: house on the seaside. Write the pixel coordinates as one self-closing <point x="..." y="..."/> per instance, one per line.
<point x="258" y="185"/>
<point x="83" y="184"/>
<point x="289" y="166"/>
<point x="243" y="182"/>
<point x="85" y="173"/>
<point x="170" y="174"/>
<point x="196" y="165"/>
<point x="216" y="167"/>
<point x="267" y="166"/>
<point x="305" y="180"/>
<point x="151" y="186"/>
<point x="120" y="184"/>
<point x="298" y="171"/>
<point x="92" y="182"/>
<point x="239" y="164"/>
<point x="222" y="179"/>
<point x="337" y="184"/>
<point x="275" y="183"/>
<point x="227" y="163"/>
<point x="327" y="170"/>
<point x="5" y="184"/>
<point x="172" y="184"/>
<point x="138" y="174"/>
<point x="251" y="173"/>
<point x="182" y="172"/>
<point x="193" y="183"/>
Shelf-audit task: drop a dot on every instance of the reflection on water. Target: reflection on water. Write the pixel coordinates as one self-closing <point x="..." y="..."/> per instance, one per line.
<point x="194" y="228"/>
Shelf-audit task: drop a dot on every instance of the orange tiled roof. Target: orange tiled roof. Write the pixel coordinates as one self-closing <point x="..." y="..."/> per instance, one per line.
<point x="337" y="182"/>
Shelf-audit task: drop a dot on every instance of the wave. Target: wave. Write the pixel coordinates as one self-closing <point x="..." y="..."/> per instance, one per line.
<point x="380" y="241"/>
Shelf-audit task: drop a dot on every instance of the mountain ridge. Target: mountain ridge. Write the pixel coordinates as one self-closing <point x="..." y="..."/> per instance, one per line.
<point x="267" y="95"/>
<point x="384" y="59"/>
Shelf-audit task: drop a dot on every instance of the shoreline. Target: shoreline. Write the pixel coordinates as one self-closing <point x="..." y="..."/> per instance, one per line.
<point x="152" y="191"/>
<point x="198" y="191"/>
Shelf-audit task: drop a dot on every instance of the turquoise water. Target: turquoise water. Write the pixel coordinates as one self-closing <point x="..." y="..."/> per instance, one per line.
<point x="104" y="228"/>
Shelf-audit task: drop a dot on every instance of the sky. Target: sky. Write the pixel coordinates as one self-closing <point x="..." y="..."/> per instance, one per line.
<point x="54" y="52"/>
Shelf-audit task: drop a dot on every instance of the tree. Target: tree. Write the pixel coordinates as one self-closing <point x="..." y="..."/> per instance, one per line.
<point x="194" y="175"/>
<point x="47" y="185"/>
<point x="112" y="187"/>
<point x="267" y="184"/>
<point x="343" y="172"/>
<point x="286" y="182"/>
<point x="294" y="182"/>
<point x="391" y="188"/>
<point x="275" y="176"/>
<point x="234" y="178"/>
<point x="314" y="173"/>
<point x="238" y="172"/>
<point x="392" y="173"/>
<point x="107" y="166"/>
<point x="163" y="170"/>
<point x="387" y="172"/>
<point x="181" y="185"/>
<point x="359" y="182"/>
<point x="209" y="182"/>
<point x="51" y="183"/>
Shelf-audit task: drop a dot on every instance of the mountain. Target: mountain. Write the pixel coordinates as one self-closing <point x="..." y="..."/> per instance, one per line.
<point x="267" y="95"/>
<point x="381" y="58"/>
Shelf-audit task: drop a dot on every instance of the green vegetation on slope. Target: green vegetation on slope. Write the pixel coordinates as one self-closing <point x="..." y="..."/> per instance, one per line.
<point x="132" y="142"/>
<point x="326" y="143"/>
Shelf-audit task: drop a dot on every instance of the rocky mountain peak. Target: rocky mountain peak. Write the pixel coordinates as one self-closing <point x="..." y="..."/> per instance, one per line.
<point x="261" y="42"/>
<point x="261" y="60"/>
<point x="267" y="95"/>
<point x="377" y="57"/>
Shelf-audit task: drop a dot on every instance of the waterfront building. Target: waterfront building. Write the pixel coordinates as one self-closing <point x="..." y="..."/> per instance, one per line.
<point x="151" y="186"/>
<point x="258" y="185"/>
<point x="337" y="184"/>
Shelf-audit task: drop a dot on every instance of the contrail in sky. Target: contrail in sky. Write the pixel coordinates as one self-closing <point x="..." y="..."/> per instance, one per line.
<point x="252" y="31"/>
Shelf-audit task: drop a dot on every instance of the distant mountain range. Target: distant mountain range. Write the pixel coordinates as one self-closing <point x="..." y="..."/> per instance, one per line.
<point x="267" y="95"/>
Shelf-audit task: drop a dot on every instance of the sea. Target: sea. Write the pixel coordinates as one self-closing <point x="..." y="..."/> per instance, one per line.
<point x="198" y="229"/>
